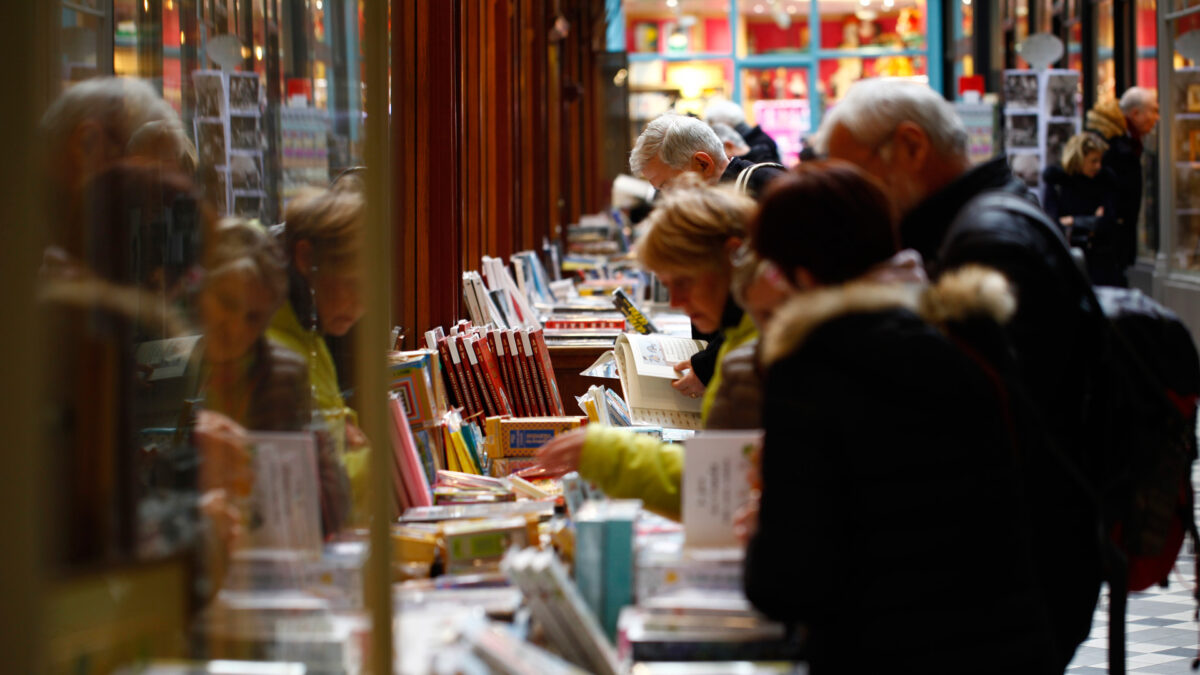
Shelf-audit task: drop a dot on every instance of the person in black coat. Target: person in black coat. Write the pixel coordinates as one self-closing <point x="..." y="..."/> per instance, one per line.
<point x="890" y="517"/>
<point x="762" y="146"/>
<point x="910" y="138"/>
<point x="1123" y="125"/>
<point x="1079" y="195"/>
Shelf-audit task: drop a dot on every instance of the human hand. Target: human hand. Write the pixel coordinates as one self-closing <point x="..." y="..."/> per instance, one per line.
<point x="1099" y="211"/>
<point x="688" y="383"/>
<point x="561" y="454"/>
<point x="1068" y="220"/>
<point x="224" y="458"/>
<point x="745" y="521"/>
<point x="355" y="438"/>
<point x="225" y="518"/>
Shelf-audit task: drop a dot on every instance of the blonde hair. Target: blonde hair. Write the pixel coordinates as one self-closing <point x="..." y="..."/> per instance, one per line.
<point x="332" y="221"/>
<point x="1078" y="148"/>
<point x="691" y="225"/>
<point x="239" y="245"/>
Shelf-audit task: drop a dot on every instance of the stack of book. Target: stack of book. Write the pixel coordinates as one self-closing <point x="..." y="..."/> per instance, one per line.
<point x="702" y="625"/>
<point x="512" y="442"/>
<point x="497" y="372"/>
<point x="604" y="557"/>
<point x="604" y="406"/>
<point x="557" y="606"/>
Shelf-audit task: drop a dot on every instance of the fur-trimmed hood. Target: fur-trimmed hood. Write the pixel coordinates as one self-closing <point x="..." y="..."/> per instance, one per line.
<point x="970" y="292"/>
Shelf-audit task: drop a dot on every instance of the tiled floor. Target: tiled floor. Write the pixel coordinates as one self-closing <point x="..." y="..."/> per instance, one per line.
<point x="1161" y="633"/>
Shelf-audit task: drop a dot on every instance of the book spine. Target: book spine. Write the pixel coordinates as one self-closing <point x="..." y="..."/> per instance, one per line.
<point x="491" y="375"/>
<point x="638" y="320"/>
<point x="464" y="375"/>
<point x="542" y="360"/>
<point x="537" y="384"/>
<point x="518" y="364"/>
<point x="451" y="374"/>
<point x="510" y="385"/>
<point x="485" y="390"/>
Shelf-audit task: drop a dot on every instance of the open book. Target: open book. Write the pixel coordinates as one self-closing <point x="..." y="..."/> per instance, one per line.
<point x="646" y="365"/>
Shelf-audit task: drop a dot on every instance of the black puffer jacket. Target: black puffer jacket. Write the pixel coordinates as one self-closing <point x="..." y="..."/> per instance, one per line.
<point x="1052" y="336"/>
<point x="890" y="516"/>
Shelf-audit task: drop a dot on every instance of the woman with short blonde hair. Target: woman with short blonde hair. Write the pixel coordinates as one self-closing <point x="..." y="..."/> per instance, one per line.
<point x="1079" y="196"/>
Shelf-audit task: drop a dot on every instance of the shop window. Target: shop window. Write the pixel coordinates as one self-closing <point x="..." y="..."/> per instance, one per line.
<point x="674" y="27"/>
<point x="777" y="100"/>
<point x="1106" y="74"/>
<point x="885" y="24"/>
<point x="777" y="27"/>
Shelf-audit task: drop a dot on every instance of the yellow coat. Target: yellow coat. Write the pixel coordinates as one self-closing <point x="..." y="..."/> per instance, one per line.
<point x="626" y="465"/>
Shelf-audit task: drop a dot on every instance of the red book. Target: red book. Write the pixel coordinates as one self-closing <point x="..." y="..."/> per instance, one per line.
<point x="518" y="366"/>
<point x="537" y="384"/>
<point x="491" y="376"/>
<point x="510" y="385"/>
<point x="449" y="372"/>
<point x="481" y="380"/>
<point x="542" y="360"/>
<point x="458" y="355"/>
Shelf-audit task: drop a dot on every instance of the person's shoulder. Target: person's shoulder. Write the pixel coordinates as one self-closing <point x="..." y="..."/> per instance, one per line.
<point x="1054" y="174"/>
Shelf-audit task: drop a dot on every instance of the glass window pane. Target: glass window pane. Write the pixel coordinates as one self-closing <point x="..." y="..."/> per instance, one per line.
<point x="896" y="24"/>
<point x="677" y="27"/>
<point x="777" y="100"/>
<point x="776" y="27"/>
<point x="205" y="427"/>
<point x="1183" y="113"/>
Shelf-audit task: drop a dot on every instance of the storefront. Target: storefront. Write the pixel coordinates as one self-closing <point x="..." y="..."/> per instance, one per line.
<point x="785" y="61"/>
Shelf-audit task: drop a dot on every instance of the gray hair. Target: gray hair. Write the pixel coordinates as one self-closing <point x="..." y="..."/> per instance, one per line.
<point x="727" y="135"/>
<point x="1136" y="98"/>
<point x="724" y="111"/>
<point x="872" y="109"/>
<point x="129" y="111"/>
<point x="673" y="139"/>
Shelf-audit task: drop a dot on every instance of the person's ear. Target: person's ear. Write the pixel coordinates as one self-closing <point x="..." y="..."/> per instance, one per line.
<point x="911" y="145"/>
<point x="302" y="255"/>
<point x="703" y="164"/>
<point x="732" y="244"/>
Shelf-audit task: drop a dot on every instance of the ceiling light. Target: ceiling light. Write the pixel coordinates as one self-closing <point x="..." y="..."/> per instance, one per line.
<point x="258" y="52"/>
<point x="967" y="3"/>
<point x="758" y="9"/>
<point x="888" y="3"/>
<point x="791" y="9"/>
<point x="672" y="3"/>
<point x="865" y="3"/>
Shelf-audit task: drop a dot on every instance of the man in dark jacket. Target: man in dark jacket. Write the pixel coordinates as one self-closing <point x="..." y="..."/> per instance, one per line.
<point x="1123" y="125"/>
<point x="672" y="144"/>
<point x="910" y="138"/>
<point x="762" y="146"/>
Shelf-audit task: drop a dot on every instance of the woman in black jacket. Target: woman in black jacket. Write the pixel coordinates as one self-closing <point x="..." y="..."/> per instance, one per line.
<point x="889" y="523"/>
<point x="1079" y="196"/>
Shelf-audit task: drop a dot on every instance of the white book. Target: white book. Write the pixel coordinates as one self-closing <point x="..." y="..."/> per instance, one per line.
<point x="646" y="366"/>
<point x="285" y="505"/>
<point x="716" y="483"/>
<point x="516" y="565"/>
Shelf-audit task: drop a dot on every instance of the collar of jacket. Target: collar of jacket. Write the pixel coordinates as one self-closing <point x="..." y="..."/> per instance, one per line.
<point x="734" y="169"/>
<point x="970" y="292"/>
<point x="925" y="226"/>
<point x="731" y="316"/>
<point x="1107" y="120"/>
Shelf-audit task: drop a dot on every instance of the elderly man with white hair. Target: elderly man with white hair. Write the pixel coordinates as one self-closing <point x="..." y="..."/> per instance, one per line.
<point x="762" y="146"/>
<point x="1123" y="125"/>
<point x="673" y="144"/>
<point x="954" y="214"/>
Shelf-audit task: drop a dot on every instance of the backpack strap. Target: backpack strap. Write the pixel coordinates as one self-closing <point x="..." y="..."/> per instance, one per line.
<point x="743" y="179"/>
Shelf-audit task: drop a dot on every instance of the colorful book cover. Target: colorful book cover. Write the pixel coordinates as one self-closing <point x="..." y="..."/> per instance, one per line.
<point x="459" y="356"/>
<point x="491" y="375"/>
<point x="506" y="374"/>
<point x="536" y="385"/>
<point x="518" y="362"/>
<point x="472" y="361"/>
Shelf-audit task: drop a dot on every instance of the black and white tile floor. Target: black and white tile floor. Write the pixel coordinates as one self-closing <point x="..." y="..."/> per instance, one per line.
<point x="1161" y="631"/>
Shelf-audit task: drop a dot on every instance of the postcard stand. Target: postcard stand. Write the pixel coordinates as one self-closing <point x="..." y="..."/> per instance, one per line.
<point x="228" y="128"/>
<point x="1041" y="113"/>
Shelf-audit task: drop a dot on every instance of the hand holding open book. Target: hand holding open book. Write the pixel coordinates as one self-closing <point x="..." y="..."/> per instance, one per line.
<point x="647" y="367"/>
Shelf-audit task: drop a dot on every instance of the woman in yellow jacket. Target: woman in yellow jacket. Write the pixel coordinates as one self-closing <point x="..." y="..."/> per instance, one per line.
<point x="323" y="240"/>
<point x="691" y="238"/>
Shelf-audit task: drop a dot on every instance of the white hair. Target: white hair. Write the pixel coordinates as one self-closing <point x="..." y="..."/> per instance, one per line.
<point x="724" y="111"/>
<point x="122" y="107"/>
<point x="727" y="134"/>
<point x="673" y="139"/>
<point x="1136" y="98"/>
<point x="872" y="109"/>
